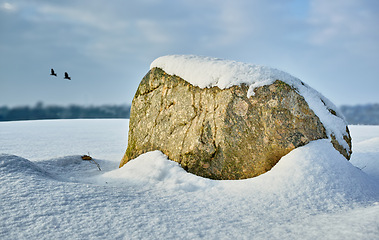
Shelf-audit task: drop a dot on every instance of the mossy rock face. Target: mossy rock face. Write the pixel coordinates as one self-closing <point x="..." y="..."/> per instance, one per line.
<point x="220" y="134"/>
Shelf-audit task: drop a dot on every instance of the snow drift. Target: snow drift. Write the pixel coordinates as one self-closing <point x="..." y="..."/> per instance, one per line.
<point x="312" y="193"/>
<point x="316" y="172"/>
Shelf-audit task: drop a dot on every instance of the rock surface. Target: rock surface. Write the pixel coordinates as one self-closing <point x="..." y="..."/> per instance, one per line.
<point x="221" y="133"/>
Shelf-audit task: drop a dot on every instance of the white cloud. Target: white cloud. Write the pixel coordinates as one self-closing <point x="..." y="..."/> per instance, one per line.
<point x="81" y="16"/>
<point x="152" y="31"/>
<point x="8" y="7"/>
<point x="232" y="22"/>
<point x="328" y="34"/>
<point x="343" y="23"/>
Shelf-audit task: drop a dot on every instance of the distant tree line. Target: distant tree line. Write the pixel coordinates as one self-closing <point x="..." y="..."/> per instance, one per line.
<point x="39" y="112"/>
<point x="361" y="114"/>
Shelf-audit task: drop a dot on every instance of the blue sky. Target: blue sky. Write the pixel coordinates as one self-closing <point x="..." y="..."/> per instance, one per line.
<point x="107" y="46"/>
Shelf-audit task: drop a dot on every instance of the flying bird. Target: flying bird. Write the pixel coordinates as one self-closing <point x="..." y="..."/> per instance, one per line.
<point x="53" y="73"/>
<point x="66" y="76"/>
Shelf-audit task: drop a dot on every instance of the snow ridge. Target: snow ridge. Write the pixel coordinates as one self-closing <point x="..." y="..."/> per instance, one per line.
<point x="206" y="72"/>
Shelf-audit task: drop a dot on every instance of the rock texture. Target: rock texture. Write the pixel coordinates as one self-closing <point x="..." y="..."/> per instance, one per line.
<point x="221" y="134"/>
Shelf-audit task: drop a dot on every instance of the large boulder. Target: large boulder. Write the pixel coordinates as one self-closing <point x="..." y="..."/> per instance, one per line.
<point x="228" y="129"/>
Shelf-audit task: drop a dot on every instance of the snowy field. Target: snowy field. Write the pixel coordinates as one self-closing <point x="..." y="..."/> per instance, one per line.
<point x="48" y="192"/>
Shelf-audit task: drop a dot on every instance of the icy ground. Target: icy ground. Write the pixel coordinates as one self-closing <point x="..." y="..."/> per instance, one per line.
<point x="48" y="192"/>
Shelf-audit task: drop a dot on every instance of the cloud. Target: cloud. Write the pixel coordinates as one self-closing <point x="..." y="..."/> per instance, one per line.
<point x="348" y="24"/>
<point x="6" y="6"/>
<point x="152" y="31"/>
<point x="82" y="17"/>
<point x="119" y="39"/>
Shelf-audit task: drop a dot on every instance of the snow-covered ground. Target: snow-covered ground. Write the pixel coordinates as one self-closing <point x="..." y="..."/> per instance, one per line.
<point x="48" y="192"/>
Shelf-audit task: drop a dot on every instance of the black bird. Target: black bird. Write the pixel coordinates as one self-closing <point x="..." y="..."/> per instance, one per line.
<point x="53" y="73"/>
<point x="66" y="76"/>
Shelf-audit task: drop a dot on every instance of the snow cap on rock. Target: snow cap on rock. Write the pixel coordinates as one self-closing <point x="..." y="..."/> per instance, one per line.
<point x="207" y="72"/>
